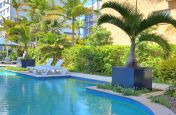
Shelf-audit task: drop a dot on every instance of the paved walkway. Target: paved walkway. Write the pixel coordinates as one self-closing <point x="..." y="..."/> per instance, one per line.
<point x="109" y="79"/>
<point x="94" y="77"/>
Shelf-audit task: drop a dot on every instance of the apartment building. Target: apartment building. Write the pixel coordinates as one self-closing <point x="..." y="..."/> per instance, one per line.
<point x="8" y="12"/>
<point x="91" y="20"/>
<point x="145" y="7"/>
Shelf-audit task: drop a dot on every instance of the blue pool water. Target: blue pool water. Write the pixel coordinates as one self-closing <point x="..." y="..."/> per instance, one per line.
<point x="20" y="95"/>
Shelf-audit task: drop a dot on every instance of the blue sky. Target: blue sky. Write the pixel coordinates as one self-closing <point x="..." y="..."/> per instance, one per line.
<point x="89" y="2"/>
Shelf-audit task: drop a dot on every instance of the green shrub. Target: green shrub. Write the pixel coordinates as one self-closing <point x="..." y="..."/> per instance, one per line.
<point x="101" y="59"/>
<point x="98" y="37"/>
<point x="124" y="91"/>
<point x="171" y="92"/>
<point x="161" y="100"/>
<point x="13" y="56"/>
<point x="95" y="59"/>
<point x="167" y="70"/>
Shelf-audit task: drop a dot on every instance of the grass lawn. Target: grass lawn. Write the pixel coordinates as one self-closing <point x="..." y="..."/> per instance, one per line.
<point x="16" y="69"/>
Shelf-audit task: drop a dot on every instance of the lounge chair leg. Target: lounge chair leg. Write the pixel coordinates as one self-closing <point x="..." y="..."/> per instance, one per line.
<point x="64" y="71"/>
<point x="44" y="72"/>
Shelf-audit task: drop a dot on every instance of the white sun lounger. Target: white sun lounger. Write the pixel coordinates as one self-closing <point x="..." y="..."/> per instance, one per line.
<point x="6" y="60"/>
<point x="48" y="63"/>
<point x="45" y="70"/>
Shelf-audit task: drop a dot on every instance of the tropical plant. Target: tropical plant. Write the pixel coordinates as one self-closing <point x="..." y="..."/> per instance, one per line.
<point x="134" y="24"/>
<point x="51" y="45"/>
<point x="99" y="36"/>
<point x="36" y="9"/>
<point x="22" y="34"/>
<point x="74" y="9"/>
<point x="167" y="70"/>
<point x="46" y="16"/>
<point x="16" y="4"/>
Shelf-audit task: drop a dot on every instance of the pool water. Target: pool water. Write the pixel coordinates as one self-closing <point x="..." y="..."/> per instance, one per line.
<point x="20" y="95"/>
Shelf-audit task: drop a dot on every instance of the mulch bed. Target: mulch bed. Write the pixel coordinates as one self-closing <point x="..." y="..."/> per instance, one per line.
<point x="172" y="101"/>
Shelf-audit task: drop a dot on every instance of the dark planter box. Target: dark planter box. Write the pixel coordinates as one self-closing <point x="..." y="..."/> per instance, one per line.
<point x="132" y="77"/>
<point x="27" y="62"/>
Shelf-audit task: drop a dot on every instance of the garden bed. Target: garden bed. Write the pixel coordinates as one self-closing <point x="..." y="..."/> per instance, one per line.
<point x="165" y="100"/>
<point x="126" y="91"/>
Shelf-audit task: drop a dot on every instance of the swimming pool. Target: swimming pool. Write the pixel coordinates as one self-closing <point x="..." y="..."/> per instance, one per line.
<point x="20" y="95"/>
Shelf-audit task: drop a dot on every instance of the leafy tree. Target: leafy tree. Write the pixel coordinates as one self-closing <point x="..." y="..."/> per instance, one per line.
<point x="74" y="9"/>
<point x="16" y="4"/>
<point x="99" y="36"/>
<point x="36" y="9"/>
<point x="20" y="32"/>
<point x="134" y="24"/>
<point x="52" y="44"/>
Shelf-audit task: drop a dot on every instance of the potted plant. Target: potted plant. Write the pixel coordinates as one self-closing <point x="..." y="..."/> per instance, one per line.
<point x="133" y="23"/>
<point x="21" y="33"/>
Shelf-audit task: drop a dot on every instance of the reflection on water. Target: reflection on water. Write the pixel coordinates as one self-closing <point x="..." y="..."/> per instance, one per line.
<point x="27" y="96"/>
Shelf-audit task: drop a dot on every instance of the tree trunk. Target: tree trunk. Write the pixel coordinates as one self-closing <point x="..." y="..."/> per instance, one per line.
<point x="73" y="31"/>
<point x="131" y="62"/>
<point x="136" y="5"/>
<point x="17" y="15"/>
<point x="25" y="54"/>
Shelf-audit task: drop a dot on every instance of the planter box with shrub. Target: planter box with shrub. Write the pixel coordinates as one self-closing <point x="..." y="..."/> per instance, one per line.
<point x="27" y="62"/>
<point x="132" y="77"/>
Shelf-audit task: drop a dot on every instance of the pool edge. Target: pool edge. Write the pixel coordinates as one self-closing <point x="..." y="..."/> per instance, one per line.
<point x="155" y="108"/>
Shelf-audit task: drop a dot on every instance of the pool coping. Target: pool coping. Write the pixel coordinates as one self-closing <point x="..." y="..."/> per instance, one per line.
<point x="157" y="109"/>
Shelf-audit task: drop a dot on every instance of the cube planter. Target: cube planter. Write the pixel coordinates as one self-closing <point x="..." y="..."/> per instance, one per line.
<point x="27" y="62"/>
<point x="132" y="77"/>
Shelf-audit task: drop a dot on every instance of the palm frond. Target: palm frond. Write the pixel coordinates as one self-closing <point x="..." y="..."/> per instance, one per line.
<point x="160" y="40"/>
<point x="156" y="18"/>
<point x="125" y="9"/>
<point x="107" y="18"/>
<point x="80" y="10"/>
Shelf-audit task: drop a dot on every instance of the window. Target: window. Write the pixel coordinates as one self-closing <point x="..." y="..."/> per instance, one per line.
<point x="1" y="5"/>
<point x="4" y="3"/>
<point x="7" y="1"/>
<point x="7" y="10"/>
<point x="3" y="12"/>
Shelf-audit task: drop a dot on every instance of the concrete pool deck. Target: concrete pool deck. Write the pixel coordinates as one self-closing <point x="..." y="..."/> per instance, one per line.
<point x="91" y="77"/>
<point x="156" y="108"/>
<point x="8" y="65"/>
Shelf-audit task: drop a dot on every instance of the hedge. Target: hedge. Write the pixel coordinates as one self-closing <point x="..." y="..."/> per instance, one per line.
<point x="101" y="59"/>
<point x="167" y="70"/>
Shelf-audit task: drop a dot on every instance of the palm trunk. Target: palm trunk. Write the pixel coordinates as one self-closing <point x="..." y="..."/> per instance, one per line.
<point x="25" y="54"/>
<point x="73" y="31"/>
<point x="17" y="15"/>
<point x="136" y="5"/>
<point x="131" y="62"/>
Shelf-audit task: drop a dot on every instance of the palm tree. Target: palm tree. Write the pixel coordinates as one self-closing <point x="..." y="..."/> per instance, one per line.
<point x="74" y="9"/>
<point x="22" y="34"/>
<point x="36" y="9"/>
<point x="16" y="4"/>
<point x="134" y="24"/>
